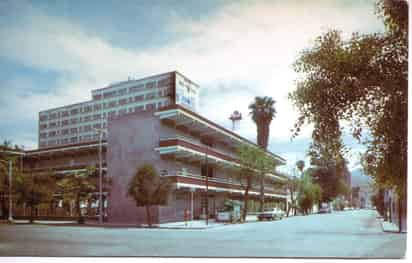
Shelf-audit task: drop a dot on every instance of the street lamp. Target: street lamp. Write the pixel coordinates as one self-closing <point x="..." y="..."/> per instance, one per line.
<point x="100" y="132"/>
<point x="10" y="162"/>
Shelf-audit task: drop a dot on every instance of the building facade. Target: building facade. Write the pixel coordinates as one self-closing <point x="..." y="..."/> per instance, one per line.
<point x="76" y="123"/>
<point x="184" y="147"/>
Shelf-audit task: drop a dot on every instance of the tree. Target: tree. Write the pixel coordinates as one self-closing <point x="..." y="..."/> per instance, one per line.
<point x="35" y="189"/>
<point x="254" y="164"/>
<point x="329" y="180"/>
<point x="147" y="188"/>
<point x="78" y="186"/>
<point x="300" y="165"/>
<point x="362" y="80"/>
<point x="262" y="111"/>
<point x="309" y="194"/>
<point x="292" y="185"/>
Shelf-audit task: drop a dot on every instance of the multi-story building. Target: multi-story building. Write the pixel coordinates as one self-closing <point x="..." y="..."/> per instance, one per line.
<point x="76" y="123"/>
<point x="184" y="146"/>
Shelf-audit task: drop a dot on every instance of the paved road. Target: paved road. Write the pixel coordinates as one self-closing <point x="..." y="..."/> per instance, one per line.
<point x="341" y="234"/>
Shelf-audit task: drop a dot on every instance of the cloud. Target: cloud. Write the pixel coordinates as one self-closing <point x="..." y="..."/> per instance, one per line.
<point x="242" y="50"/>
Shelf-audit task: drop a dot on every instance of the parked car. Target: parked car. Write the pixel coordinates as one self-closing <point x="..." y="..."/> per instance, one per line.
<point x="325" y="208"/>
<point x="271" y="214"/>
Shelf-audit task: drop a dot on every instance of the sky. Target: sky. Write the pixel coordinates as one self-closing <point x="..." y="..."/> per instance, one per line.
<point x="53" y="53"/>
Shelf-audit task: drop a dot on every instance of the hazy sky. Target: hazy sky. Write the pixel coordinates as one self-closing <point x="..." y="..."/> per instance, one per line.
<point x="54" y="53"/>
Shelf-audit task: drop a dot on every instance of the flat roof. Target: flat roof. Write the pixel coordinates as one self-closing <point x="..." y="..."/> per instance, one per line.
<point x="180" y="107"/>
<point x="64" y="147"/>
<point x="126" y="81"/>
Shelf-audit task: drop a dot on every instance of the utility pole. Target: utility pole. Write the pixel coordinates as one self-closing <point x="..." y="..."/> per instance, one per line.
<point x="100" y="132"/>
<point x="207" y="189"/>
<point x="100" y="179"/>
<point x="10" y="192"/>
<point x="10" y="219"/>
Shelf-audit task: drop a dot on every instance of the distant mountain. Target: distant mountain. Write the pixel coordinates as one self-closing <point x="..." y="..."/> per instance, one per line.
<point x="358" y="178"/>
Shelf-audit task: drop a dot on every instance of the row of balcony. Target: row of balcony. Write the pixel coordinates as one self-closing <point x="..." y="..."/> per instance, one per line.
<point x="222" y="183"/>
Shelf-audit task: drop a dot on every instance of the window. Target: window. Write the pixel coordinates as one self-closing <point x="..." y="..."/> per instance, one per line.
<point x="43" y="118"/>
<point x="65" y="113"/>
<point x="139" y="108"/>
<point x="109" y="94"/>
<point x="74" y="111"/>
<point x="112" y="104"/>
<point x="209" y="169"/>
<point x="136" y="88"/>
<point x="151" y="106"/>
<point x="74" y="121"/>
<point x="97" y="96"/>
<point x="65" y="122"/>
<point x="122" y="112"/>
<point x="122" y="91"/>
<point x="73" y="139"/>
<point x="87" y="109"/>
<point x="97" y="116"/>
<point x="165" y="82"/>
<point x="112" y="114"/>
<point x="43" y="126"/>
<point x="97" y="126"/>
<point x="52" y="133"/>
<point x="122" y="101"/>
<point x="151" y="95"/>
<point x="53" y="124"/>
<point x="65" y="131"/>
<point x="97" y="107"/>
<point x="43" y="135"/>
<point x="150" y="85"/>
<point x="87" y="128"/>
<point x="52" y="116"/>
<point x="139" y="98"/>
<point x="87" y="118"/>
<point x="73" y="130"/>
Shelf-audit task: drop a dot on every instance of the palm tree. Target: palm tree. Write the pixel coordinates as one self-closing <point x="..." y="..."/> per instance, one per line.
<point x="147" y="188"/>
<point x="300" y="165"/>
<point x="262" y="111"/>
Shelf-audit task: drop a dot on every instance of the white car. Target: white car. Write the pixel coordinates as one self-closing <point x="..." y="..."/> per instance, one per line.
<point x="271" y="214"/>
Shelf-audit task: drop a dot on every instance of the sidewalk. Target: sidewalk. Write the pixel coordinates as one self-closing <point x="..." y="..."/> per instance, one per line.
<point x="45" y="222"/>
<point x="195" y="224"/>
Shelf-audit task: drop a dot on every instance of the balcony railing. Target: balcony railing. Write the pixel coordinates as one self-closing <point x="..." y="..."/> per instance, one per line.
<point x="194" y="145"/>
<point x="228" y="182"/>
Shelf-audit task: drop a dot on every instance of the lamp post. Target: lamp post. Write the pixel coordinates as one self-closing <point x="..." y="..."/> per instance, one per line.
<point x="10" y="162"/>
<point x="10" y="192"/>
<point x="207" y="190"/>
<point x="100" y="132"/>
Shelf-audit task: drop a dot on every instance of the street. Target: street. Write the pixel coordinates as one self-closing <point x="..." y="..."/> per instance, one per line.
<point x="349" y="234"/>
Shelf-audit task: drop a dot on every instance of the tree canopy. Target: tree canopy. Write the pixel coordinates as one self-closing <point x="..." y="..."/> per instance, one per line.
<point x="147" y="188"/>
<point x="262" y="111"/>
<point x="362" y="80"/>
